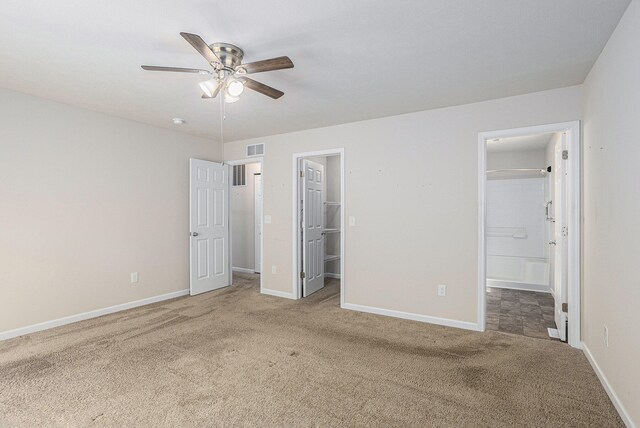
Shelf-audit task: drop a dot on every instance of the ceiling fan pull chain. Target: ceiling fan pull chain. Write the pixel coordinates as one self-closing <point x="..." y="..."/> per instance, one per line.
<point x="222" y="119"/>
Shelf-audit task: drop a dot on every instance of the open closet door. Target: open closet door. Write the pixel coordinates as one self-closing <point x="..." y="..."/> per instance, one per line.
<point x="313" y="186"/>
<point x="209" y="225"/>
<point x="561" y="248"/>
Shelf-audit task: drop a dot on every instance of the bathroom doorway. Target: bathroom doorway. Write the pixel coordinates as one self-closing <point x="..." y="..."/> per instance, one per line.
<point x="529" y="262"/>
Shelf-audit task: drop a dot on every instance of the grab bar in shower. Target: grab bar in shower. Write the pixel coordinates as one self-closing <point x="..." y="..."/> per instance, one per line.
<point x="547" y="210"/>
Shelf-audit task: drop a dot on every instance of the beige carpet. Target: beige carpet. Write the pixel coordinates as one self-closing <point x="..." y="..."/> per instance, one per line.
<point x="234" y="357"/>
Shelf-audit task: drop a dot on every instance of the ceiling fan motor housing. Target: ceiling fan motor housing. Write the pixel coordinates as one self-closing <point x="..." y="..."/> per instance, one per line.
<point x="230" y="55"/>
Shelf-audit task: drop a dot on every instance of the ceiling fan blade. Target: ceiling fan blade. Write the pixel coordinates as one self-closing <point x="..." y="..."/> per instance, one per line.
<point x="174" y="69"/>
<point x="213" y="95"/>
<point x="262" y="88"/>
<point x="200" y="45"/>
<point x="279" y="63"/>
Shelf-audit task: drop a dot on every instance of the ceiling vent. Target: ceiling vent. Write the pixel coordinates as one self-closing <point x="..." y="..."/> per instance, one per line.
<point x="255" y="150"/>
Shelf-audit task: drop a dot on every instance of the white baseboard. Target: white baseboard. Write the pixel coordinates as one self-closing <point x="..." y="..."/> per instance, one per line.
<point x="9" y="334"/>
<point x="498" y="283"/>
<point x="607" y="387"/>
<point x="332" y="275"/>
<point x="414" y="317"/>
<point x="243" y="270"/>
<point x="277" y="293"/>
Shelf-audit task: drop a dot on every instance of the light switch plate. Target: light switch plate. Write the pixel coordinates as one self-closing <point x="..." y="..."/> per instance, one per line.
<point x="134" y="277"/>
<point x="267" y="219"/>
<point x="352" y="220"/>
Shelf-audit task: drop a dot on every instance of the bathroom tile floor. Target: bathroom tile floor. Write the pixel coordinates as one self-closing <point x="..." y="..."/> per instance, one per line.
<point x="527" y="313"/>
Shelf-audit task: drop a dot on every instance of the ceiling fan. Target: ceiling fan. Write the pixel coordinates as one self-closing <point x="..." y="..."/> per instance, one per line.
<point x="229" y="74"/>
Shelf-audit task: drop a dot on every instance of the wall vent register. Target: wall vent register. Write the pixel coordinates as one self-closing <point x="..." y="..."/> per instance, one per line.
<point x="255" y="150"/>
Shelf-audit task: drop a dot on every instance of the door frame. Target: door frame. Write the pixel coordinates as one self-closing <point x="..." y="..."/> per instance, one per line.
<point x="573" y="219"/>
<point x="246" y="161"/>
<point x="257" y="247"/>
<point x="295" y="292"/>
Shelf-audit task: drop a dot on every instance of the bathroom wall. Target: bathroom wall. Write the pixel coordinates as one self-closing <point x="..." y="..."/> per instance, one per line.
<point x="517" y="159"/>
<point x="515" y="217"/>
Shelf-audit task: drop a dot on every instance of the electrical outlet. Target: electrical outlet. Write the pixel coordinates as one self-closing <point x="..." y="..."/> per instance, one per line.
<point x="442" y="290"/>
<point x="606" y="336"/>
<point x="274" y="269"/>
<point x="134" y="277"/>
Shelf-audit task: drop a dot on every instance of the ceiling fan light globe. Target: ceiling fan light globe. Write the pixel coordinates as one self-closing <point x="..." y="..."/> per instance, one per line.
<point x="229" y="99"/>
<point x="235" y="88"/>
<point x="209" y="87"/>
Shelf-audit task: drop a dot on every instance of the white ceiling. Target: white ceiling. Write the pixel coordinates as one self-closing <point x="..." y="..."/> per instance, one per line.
<point x="519" y="144"/>
<point x="354" y="60"/>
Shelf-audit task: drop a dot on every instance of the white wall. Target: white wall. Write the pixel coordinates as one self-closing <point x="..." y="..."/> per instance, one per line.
<point x="412" y="185"/>
<point x="243" y="220"/>
<point x="611" y="207"/>
<point x="516" y="203"/>
<point x="86" y="199"/>
<point x="534" y="159"/>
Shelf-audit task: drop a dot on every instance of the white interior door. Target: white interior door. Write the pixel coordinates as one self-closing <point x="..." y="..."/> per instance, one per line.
<point x="209" y="225"/>
<point x="561" y="248"/>
<point x="257" y="203"/>
<point x="313" y="185"/>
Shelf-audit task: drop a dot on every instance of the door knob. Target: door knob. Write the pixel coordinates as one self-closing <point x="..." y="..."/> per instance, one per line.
<point x="194" y="233"/>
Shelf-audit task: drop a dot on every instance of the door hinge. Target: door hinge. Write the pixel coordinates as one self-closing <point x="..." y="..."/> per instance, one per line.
<point x="565" y="154"/>
<point x="302" y="275"/>
<point x="301" y="174"/>
<point x="565" y="308"/>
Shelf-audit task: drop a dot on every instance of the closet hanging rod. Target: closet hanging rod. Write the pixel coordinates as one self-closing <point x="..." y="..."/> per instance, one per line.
<point x="330" y="231"/>
<point x="541" y="171"/>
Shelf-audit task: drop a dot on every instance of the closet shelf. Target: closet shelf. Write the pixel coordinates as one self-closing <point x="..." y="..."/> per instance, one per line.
<point x="337" y="204"/>
<point x="329" y="258"/>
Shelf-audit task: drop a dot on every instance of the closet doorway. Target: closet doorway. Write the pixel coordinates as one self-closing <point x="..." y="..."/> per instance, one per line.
<point x="318" y="202"/>
<point x="246" y="207"/>
<point x="529" y="253"/>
